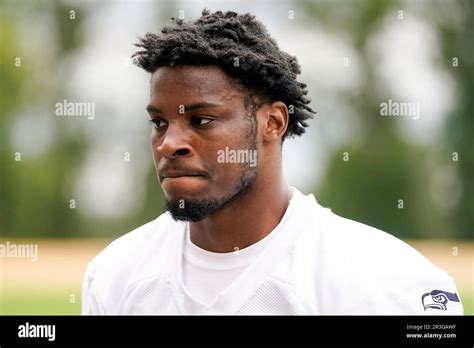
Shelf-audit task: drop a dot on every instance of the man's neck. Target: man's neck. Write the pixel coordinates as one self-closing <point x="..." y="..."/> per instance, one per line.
<point x="244" y="221"/>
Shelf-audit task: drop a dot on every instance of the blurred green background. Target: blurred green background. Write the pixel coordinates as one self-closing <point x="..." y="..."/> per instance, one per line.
<point x="71" y="185"/>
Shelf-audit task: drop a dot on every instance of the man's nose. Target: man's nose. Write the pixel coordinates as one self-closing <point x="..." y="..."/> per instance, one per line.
<point x="174" y="144"/>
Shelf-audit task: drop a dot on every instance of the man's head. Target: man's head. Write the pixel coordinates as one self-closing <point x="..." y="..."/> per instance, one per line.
<point x="222" y="95"/>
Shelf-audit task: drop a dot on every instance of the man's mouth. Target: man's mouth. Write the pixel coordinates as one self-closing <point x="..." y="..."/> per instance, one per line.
<point x="182" y="183"/>
<point x="175" y="175"/>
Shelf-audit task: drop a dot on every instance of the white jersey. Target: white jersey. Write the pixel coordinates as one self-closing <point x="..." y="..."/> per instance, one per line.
<point x="315" y="263"/>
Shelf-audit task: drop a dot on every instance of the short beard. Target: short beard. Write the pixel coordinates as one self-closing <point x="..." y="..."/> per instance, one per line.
<point x="197" y="210"/>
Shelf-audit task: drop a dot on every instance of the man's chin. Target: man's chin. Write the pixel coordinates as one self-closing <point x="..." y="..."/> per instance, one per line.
<point x="191" y="210"/>
<point x="189" y="218"/>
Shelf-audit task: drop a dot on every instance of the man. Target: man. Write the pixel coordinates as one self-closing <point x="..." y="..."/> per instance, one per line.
<point x="236" y="238"/>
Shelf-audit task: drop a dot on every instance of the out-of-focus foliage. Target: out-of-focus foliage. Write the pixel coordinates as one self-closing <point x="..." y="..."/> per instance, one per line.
<point x="387" y="181"/>
<point x="383" y="167"/>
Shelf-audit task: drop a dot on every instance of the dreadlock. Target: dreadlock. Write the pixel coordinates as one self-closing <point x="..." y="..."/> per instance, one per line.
<point x="241" y="46"/>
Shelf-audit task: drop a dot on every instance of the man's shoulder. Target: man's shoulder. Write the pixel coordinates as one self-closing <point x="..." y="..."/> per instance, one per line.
<point x="344" y="244"/>
<point x="136" y="255"/>
<point x="375" y="272"/>
<point x="133" y="243"/>
<point x="359" y="245"/>
<point x="342" y="241"/>
<point x="118" y="261"/>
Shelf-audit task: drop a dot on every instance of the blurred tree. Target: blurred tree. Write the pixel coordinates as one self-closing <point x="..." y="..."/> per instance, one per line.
<point x="456" y="40"/>
<point x="35" y="191"/>
<point x="386" y="182"/>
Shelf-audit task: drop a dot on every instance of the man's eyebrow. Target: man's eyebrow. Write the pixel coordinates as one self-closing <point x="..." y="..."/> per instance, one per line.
<point x="201" y="105"/>
<point x="151" y="108"/>
<point x="191" y="107"/>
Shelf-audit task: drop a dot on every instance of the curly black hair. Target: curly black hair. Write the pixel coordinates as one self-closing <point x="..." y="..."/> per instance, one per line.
<point x="241" y="46"/>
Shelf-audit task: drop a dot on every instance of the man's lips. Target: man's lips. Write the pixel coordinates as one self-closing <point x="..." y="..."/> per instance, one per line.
<point x="180" y="174"/>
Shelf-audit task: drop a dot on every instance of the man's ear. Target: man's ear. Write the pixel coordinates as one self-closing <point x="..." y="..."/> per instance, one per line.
<point x="274" y="119"/>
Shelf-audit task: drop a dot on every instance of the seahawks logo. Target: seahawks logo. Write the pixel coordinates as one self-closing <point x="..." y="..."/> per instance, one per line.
<point x="438" y="299"/>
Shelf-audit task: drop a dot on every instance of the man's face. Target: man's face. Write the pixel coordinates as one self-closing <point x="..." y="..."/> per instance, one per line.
<point x="197" y="113"/>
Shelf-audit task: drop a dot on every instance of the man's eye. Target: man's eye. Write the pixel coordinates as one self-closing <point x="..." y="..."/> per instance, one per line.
<point x="200" y="121"/>
<point x="157" y="123"/>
